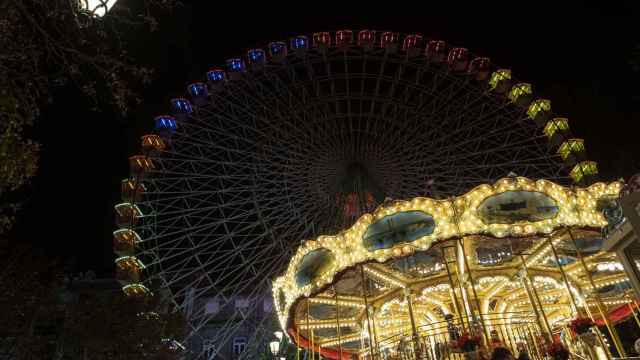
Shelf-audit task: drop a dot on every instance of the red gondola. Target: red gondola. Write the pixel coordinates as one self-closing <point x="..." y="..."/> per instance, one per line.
<point x="389" y="41"/>
<point x="366" y="39"/>
<point x="411" y="45"/>
<point x="458" y="59"/>
<point x="480" y="68"/>
<point x="321" y="40"/>
<point x="344" y="38"/>
<point x="436" y="51"/>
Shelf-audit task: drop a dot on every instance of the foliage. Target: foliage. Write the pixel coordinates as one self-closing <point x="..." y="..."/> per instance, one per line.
<point x="28" y="281"/>
<point x="118" y="327"/>
<point x="44" y="317"/>
<point x="49" y="45"/>
<point x="634" y="58"/>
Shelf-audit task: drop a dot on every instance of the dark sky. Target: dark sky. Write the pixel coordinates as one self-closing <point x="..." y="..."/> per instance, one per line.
<point x="577" y="56"/>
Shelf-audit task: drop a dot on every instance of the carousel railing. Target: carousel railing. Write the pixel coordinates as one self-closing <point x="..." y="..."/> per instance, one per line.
<point x="516" y="331"/>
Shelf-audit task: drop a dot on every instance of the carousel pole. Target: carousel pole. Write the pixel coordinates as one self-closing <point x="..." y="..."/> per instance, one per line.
<point x="310" y="331"/>
<point x="453" y="291"/>
<point x="607" y="350"/>
<point x="507" y="327"/>
<point x="526" y="281"/>
<point x="309" y="340"/>
<point x="522" y="336"/>
<point x="366" y="310"/>
<point x="601" y="309"/>
<point x="462" y="285"/>
<point x="564" y="276"/>
<point x="459" y="251"/>
<point x="414" y="330"/>
<point x="532" y="338"/>
<point x="338" y="321"/>
<point x="541" y="308"/>
<point x="298" y="344"/>
<point x="313" y="348"/>
<point x="473" y="289"/>
<point x="463" y="295"/>
<point x="465" y="264"/>
<point x="375" y="332"/>
<point x="634" y="313"/>
<point x="505" y="337"/>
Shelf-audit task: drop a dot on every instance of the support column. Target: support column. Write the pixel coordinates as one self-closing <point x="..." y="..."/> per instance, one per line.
<point x="375" y="332"/>
<point x="298" y="344"/>
<point x="416" y="338"/>
<point x="534" y="306"/>
<point x="338" y="321"/>
<point x="366" y="310"/>
<point x="541" y="308"/>
<point x="633" y="311"/>
<point x="473" y="289"/>
<point x="309" y="332"/>
<point x="630" y="269"/>
<point x="601" y="309"/>
<point x="607" y="350"/>
<point x="574" y="305"/>
<point x="453" y="289"/>
<point x="461" y="284"/>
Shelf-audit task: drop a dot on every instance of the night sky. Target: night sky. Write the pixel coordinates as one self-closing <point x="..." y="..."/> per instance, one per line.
<point x="577" y="56"/>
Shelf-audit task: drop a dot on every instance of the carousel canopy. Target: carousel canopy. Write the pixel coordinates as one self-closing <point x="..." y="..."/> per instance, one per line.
<point x="416" y="264"/>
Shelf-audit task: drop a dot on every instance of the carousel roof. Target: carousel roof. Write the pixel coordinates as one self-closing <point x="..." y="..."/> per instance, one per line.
<point x="410" y="247"/>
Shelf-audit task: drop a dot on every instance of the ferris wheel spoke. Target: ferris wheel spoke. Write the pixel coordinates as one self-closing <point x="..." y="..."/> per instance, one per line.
<point x="297" y="91"/>
<point x="270" y="107"/>
<point x="480" y="123"/>
<point x="498" y="130"/>
<point x="501" y="150"/>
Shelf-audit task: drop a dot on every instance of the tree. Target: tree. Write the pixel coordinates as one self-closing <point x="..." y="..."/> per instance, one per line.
<point x="118" y="327"/>
<point x="45" y="317"/>
<point x="29" y="281"/>
<point x="634" y="58"/>
<point x="49" y="45"/>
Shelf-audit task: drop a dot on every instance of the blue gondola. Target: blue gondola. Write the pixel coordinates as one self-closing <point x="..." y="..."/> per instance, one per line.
<point x="181" y="108"/>
<point x="235" y="68"/>
<point x="277" y="51"/>
<point x="216" y="79"/>
<point x="300" y="44"/>
<point x="198" y="92"/>
<point x="165" y="125"/>
<point x="257" y="58"/>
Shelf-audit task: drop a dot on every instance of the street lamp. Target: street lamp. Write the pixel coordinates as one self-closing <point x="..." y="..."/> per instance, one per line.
<point x="97" y="7"/>
<point x="274" y="346"/>
<point x="279" y="334"/>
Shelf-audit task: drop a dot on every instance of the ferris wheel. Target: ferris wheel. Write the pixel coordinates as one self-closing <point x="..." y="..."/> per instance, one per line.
<point x="300" y="138"/>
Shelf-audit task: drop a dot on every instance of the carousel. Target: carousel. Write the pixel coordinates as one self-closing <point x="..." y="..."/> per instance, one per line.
<point x="515" y="264"/>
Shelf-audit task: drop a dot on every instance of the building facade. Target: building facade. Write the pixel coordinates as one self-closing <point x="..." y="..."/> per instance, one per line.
<point x="243" y="314"/>
<point x="622" y="237"/>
